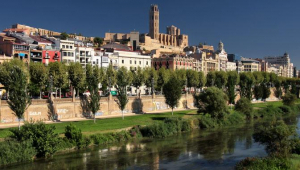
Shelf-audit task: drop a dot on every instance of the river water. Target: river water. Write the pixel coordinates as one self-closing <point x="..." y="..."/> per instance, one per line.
<point x="200" y="149"/>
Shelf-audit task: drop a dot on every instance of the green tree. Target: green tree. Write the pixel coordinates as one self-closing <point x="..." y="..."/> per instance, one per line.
<point x="38" y="75"/>
<point x="210" y="79"/>
<point x="244" y="106"/>
<point x="278" y="90"/>
<point x="181" y="76"/>
<point x="212" y="101"/>
<point x="246" y="82"/>
<point x="58" y="72"/>
<point x="163" y="78"/>
<point x="5" y="72"/>
<point x="76" y="76"/>
<point x="64" y="36"/>
<point x="111" y="76"/>
<point x="266" y="92"/>
<point x="232" y="81"/>
<point x="258" y="92"/>
<point x="221" y="79"/>
<point x="192" y="79"/>
<point x="138" y="79"/>
<point x="259" y="78"/>
<point x="18" y="100"/>
<point x="172" y="92"/>
<point x="289" y="99"/>
<point x="124" y="78"/>
<point x="149" y="75"/>
<point x="202" y="79"/>
<point x="93" y="79"/>
<point x="98" y="41"/>
<point x="276" y="137"/>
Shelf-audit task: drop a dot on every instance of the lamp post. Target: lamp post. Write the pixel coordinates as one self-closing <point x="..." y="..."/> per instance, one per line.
<point x="152" y="82"/>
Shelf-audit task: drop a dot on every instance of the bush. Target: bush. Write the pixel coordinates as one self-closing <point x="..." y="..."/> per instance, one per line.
<point x="169" y="127"/>
<point x="74" y="135"/>
<point x="43" y="137"/>
<point x="296" y="146"/>
<point x="106" y="138"/>
<point x="276" y="137"/>
<point x="263" y="163"/>
<point x="285" y="110"/>
<point x="244" y="106"/>
<point x="269" y="111"/>
<point x="212" y="101"/>
<point x="289" y="99"/>
<point x="206" y="121"/>
<point x="13" y="152"/>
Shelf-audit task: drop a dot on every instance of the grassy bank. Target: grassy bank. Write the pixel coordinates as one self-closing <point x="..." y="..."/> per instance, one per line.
<point x="114" y="124"/>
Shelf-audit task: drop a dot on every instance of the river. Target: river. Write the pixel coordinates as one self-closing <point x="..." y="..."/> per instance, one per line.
<point x="200" y="149"/>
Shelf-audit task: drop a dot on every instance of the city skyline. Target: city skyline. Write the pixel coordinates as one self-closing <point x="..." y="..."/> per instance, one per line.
<point x="249" y="29"/>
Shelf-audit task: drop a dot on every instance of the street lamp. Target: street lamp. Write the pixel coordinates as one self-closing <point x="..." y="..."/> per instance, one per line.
<point x="50" y="85"/>
<point x="109" y="84"/>
<point x="152" y="82"/>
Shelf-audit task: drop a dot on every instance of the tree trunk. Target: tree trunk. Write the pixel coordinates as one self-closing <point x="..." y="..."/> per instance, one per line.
<point x="94" y="118"/>
<point x="56" y="92"/>
<point x="172" y="111"/>
<point x="60" y="93"/>
<point x="123" y="114"/>
<point x="78" y="92"/>
<point x="40" y="93"/>
<point x="19" y="125"/>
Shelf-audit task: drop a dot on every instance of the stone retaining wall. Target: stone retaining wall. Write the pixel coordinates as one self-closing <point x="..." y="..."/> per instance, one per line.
<point x="63" y="109"/>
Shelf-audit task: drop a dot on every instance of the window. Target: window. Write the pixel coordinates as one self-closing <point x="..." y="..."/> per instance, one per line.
<point x="71" y="47"/>
<point x="47" y="55"/>
<point x="140" y="62"/>
<point x="69" y="54"/>
<point x="65" y="54"/>
<point x="97" y="61"/>
<point x="134" y="62"/>
<point x="67" y="46"/>
<point x="122" y="61"/>
<point x="146" y="62"/>
<point x="130" y="62"/>
<point x="63" y="46"/>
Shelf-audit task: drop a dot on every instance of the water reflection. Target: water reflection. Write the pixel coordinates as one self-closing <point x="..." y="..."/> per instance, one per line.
<point x="209" y="149"/>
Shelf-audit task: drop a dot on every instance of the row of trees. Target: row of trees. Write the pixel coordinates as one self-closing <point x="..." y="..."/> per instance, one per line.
<point x="62" y="77"/>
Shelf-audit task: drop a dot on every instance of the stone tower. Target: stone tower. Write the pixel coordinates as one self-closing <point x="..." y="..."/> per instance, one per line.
<point x="221" y="46"/>
<point x="154" y="22"/>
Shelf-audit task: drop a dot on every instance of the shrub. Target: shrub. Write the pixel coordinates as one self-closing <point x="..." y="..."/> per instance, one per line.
<point x="263" y="163"/>
<point x="289" y="99"/>
<point x="285" y="109"/>
<point x="212" y="101"/>
<point x="169" y="127"/>
<point x="276" y="137"/>
<point x="64" y="144"/>
<point x="43" y="137"/>
<point x="135" y="131"/>
<point x="110" y="137"/>
<point x="206" y="121"/>
<point x="244" y="106"/>
<point x="13" y="152"/>
<point x="296" y="146"/>
<point x="74" y="135"/>
<point x="270" y="111"/>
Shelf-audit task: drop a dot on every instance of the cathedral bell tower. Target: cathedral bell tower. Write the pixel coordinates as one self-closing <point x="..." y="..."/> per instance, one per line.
<point x="154" y="22"/>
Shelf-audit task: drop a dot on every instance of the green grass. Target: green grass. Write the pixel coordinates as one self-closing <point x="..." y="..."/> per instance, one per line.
<point x="88" y="127"/>
<point x="265" y="104"/>
<point x="295" y="159"/>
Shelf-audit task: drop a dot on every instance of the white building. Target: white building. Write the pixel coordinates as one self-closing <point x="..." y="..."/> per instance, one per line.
<point x="67" y="50"/>
<point x="231" y="66"/>
<point x="84" y="55"/>
<point x="283" y="61"/>
<point x="222" y="57"/>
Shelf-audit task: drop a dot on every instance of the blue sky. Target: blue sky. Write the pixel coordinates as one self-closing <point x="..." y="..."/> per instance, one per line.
<point x="255" y="28"/>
